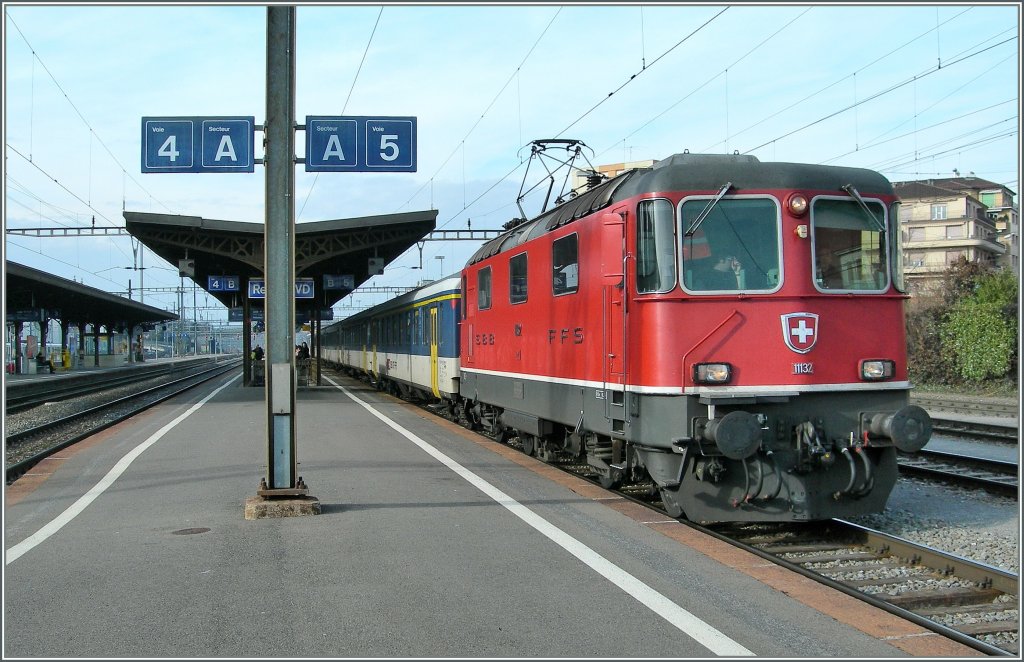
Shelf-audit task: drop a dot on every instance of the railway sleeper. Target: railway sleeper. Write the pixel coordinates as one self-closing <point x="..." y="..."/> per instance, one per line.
<point x="988" y="627"/>
<point x="913" y="600"/>
<point x="986" y="608"/>
<point x="825" y="558"/>
<point x="917" y="573"/>
<point x="798" y="549"/>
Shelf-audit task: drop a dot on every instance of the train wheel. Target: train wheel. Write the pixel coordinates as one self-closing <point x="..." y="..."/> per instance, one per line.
<point x="611" y="481"/>
<point x="672" y="507"/>
<point x="529" y="443"/>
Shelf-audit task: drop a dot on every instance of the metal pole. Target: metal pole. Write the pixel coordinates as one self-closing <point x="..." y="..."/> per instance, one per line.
<point x="195" y="322"/>
<point x="279" y="255"/>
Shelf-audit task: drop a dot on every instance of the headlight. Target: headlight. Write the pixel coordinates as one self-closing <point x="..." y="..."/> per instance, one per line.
<point x="712" y="373"/>
<point x="797" y="204"/>
<point x="876" y="370"/>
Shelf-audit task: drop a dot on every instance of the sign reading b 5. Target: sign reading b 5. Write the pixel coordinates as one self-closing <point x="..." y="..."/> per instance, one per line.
<point x="360" y="144"/>
<point x="198" y="144"/>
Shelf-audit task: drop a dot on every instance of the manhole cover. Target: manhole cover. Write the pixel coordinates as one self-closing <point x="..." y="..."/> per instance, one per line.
<point x="189" y="532"/>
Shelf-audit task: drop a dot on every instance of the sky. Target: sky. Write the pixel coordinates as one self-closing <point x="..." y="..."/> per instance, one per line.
<point x="914" y="91"/>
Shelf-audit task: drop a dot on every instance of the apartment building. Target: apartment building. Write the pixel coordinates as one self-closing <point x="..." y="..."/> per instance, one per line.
<point x="945" y="219"/>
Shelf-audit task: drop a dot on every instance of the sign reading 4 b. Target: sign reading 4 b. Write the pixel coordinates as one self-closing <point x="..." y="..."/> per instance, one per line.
<point x="198" y="144"/>
<point x="360" y="144"/>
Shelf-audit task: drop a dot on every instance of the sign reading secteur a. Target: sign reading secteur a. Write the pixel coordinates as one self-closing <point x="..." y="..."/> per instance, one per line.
<point x="360" y="144"/>
<point x="198" y="144"/>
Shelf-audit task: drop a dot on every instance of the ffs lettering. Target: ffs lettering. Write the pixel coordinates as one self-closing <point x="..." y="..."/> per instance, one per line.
<point x="564" y="335"/>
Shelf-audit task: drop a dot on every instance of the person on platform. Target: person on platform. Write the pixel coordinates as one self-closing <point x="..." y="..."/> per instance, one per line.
<point x="257" y="353"/>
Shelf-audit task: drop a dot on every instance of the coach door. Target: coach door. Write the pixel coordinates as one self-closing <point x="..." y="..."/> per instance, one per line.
<point x="613" y="316"/>
<point x="433" y="349"/>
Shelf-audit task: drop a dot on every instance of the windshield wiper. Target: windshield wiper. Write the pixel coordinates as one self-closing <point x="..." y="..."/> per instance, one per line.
<point x="707" y="210"/>
<point x="863" y="205"/>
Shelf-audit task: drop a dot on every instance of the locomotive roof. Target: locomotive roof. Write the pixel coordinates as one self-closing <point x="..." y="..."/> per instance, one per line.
<point x="703" y="173"/>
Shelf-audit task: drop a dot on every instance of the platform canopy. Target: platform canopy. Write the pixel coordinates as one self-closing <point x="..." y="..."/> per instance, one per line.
<point x="33" y="293"/>
<point x="355" y="247"/>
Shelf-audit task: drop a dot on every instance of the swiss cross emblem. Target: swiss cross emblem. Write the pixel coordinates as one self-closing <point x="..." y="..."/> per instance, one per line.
<point x="800" y="331"/>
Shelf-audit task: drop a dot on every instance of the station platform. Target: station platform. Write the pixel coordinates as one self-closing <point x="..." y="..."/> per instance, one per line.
<point x="432" y="542"/>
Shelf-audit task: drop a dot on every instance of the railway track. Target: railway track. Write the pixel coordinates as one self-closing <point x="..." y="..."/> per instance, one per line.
<point x="29" y="446"/>
<point x="21" y="396"/>
<point x="980" y="406"/>
<point x="996" y="476"/>
<point x="970" y="602"/>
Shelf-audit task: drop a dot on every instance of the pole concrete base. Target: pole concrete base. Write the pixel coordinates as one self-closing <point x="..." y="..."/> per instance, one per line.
<point x="258" y="507"/>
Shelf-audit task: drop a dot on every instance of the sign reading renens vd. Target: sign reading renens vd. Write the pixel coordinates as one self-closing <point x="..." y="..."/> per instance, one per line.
<point x="304" y="288"/>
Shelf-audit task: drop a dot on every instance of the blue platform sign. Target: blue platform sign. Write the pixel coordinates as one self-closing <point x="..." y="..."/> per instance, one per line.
<point x="303" y="288"/>
<point x="198" y="144"/>
<point x="339" y="282"/>
<point x="360" y="144"/>
<point x="222" y="283"/>
<point x="236" y="315"/>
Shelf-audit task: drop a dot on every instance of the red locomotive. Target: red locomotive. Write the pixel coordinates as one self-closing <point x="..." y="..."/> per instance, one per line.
<point x="731" y="329"/>
<point x="727" y="331"/>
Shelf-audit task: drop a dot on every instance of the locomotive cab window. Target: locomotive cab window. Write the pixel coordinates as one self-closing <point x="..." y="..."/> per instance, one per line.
<point x="483" y="289"/>
<point x="517" y="279"/>
<point x="730" y="245"/>
<point x="565" y="268"/>
<point x="849" y="246"/>
<point x="655" y="247"/>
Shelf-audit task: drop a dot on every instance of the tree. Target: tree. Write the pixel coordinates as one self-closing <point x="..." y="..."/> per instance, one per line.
<point x="968" y="330"/>
<point x="980" y="327"/>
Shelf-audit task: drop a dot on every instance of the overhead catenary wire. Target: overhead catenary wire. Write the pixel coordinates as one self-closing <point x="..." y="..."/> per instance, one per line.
<point x="461" y="143"/>
<point x="837" y="82"/>
<point x="876" y="95"/>
<point x="92" y="132"/>
<point x="706" y="82"/>
<point x="634" y="76"/>
<point x="345" y="106"/>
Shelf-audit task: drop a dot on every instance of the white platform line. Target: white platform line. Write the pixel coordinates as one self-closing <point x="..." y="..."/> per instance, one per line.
<point x="72" y="511"/>
<point x="690" y="625"/>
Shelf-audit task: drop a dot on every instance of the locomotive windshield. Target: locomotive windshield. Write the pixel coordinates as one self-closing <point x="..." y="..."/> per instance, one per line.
<point x="849" y="246"/>
<point x="735" y="247"/>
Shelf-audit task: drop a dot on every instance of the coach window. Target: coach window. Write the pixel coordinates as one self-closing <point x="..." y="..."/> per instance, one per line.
<point x="849" y="245"/>
<point x="655" y="247"/>
<point x="565" y="267"/>
<point x="483" y="289"/>
<point x="517" y="279"/>
<point x="735" y="246"/>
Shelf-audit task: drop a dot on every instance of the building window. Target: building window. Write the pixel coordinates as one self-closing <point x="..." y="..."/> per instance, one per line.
<point x="954" y="232"/>
<point x="953" y="256"/>
<point x="938" y="212"/>
<point x="517" y="279"/>
<point x="916" y="234"/>
<point x="565" y="268"/>
<point x="483" y="288"/>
